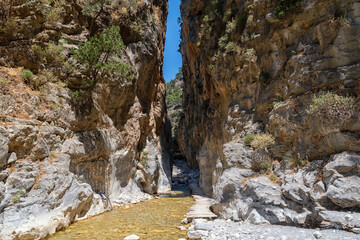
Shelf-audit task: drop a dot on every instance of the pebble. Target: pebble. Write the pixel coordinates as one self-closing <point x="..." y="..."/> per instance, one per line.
<point x="317" y="235"/>
<point x="132" y="237"/>
<point x="185" y="221"/>
<point x="194" y="235"/>
<point x="182" y="228"/>
<point x="348" y="217"/>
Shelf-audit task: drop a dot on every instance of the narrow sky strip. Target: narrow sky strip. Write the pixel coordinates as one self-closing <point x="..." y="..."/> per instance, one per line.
<point x="172" y="58"/>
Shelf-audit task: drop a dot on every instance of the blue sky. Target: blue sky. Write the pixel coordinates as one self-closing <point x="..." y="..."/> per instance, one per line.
<point x="172" y="58"/>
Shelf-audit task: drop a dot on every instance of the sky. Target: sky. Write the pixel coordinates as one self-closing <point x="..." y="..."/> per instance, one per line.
<point x="172" y="58"/>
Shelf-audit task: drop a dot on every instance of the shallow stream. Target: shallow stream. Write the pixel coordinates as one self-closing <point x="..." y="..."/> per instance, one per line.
<point x="154" y="219"/>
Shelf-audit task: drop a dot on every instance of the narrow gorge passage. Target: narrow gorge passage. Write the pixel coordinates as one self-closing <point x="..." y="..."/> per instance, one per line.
<point x="97" y="117"/>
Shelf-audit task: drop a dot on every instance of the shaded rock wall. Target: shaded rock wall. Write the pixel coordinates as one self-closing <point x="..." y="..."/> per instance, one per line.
<point x="255" y="66"/>
<point x="73" y="151"/>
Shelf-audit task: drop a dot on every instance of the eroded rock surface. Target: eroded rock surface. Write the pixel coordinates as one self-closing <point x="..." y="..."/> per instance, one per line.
<point x="252" y="67"/>
<point x="69" y="147"/>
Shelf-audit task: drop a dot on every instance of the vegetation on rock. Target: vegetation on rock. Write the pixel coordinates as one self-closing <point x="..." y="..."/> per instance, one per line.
<point x="174" y="105"/>
<point x="248" y="139"/>
<point x="284" y="7"/>
<point x="332" y="109"/>
<point x="262" y="141"/>
<point x="101" y="53"/>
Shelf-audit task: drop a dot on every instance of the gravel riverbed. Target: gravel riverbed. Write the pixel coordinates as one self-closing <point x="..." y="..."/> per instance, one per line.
<point x="228" y="230"/>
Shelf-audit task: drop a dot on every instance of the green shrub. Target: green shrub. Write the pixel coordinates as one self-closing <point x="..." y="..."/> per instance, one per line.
<point x="262" y="141"/>
<point x="273" y="178"/>
<point x="16" y="197"/>
<point x="76" y="94"/>
<point x="297" y="161"/>
<point x="223" y="40"/>
<point x="232" y="47"/>
<point x="277" y="103"/>
<point x="332" y="109"/>
<point x="284" y="7"/>
<point x="136" y="27"/>
<point x="27" y="75"/>
<point x="94" y="8"/>
<point x="45" y="76"/>
<point x="10" y="26"/>
<point x="96" y="54"/>
<point x="230" y="26"/>
<point x="144" y="157"/>
<point x="54" y="15"/>
<point x="248" y="139"/>
<point x="51" y="55"/>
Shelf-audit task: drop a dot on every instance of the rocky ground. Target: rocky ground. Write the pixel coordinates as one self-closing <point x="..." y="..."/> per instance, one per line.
<point x="220" y="229"/>
<point x="182" y="175"/>
<point x="246" y="230"/>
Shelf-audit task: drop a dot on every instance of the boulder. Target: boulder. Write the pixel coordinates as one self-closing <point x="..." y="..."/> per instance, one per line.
<point x="336" y="219"/>
<point x="4" y="148"/>
<point x="342" y="180"/>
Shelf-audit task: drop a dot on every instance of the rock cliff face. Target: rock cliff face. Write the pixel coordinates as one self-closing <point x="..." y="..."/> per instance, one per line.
<point x="71" y="146"/>
<point x="289" y="69"/>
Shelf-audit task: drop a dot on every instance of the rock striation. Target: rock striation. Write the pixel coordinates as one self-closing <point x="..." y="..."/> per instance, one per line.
<point x="72" y="147"/>
<point x="271" y="108"/>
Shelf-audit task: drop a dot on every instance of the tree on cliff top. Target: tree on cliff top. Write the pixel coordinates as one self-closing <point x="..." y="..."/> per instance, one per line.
<point x="97" y="55"/>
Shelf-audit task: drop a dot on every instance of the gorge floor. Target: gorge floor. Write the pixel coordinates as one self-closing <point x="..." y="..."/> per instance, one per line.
<point x="159" y="218"/>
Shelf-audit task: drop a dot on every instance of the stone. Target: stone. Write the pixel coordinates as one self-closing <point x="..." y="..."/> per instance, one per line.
<point x="4" y="148"/>
<point x="229" y="182"/>
<point x="255" y="218"/>
<point x="203" y="226"/>
<point x="12" y="157"/>
<point x="194" y="235"/>
<point x="184" y="221"/>
<point x="336" y="219"/>
<point x="317" y="235"/>
<point x="182" y="228"/>
<point x="132" y="237"/>
<point x="237" y="155"/>
<point x="341" y="175"/>
<point x="4" y="174"/>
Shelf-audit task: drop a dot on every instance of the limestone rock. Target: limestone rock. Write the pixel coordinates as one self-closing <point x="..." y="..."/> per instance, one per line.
<point x="72" y="150"/>
<point x="348" y="220"/>
<point x="4" y="148"/>
<point x="261" y="75"/>
<point x="341" y="175"/>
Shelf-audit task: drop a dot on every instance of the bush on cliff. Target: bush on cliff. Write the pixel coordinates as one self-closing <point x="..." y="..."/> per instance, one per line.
<point x="284" y="7"/>
<point x="332" y="109"/>
<point x="248" y="139"/>
<point x="262" y="141"/>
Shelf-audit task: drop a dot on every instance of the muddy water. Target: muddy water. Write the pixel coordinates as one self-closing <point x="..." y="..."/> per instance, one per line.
<point x="154" y="219"/>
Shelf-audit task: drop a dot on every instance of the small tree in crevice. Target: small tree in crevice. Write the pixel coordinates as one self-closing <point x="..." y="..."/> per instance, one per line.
<point x="98" y="54"/>
<point x="94" y="8"/>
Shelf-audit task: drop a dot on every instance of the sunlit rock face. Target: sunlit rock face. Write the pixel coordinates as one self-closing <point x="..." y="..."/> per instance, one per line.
<point x="71" y="146"/>
<point x="260" y="66"/>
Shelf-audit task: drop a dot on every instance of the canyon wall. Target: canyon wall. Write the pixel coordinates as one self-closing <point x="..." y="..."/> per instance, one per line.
<point x="82" y="127"/>
<point x="271" y="108"/>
